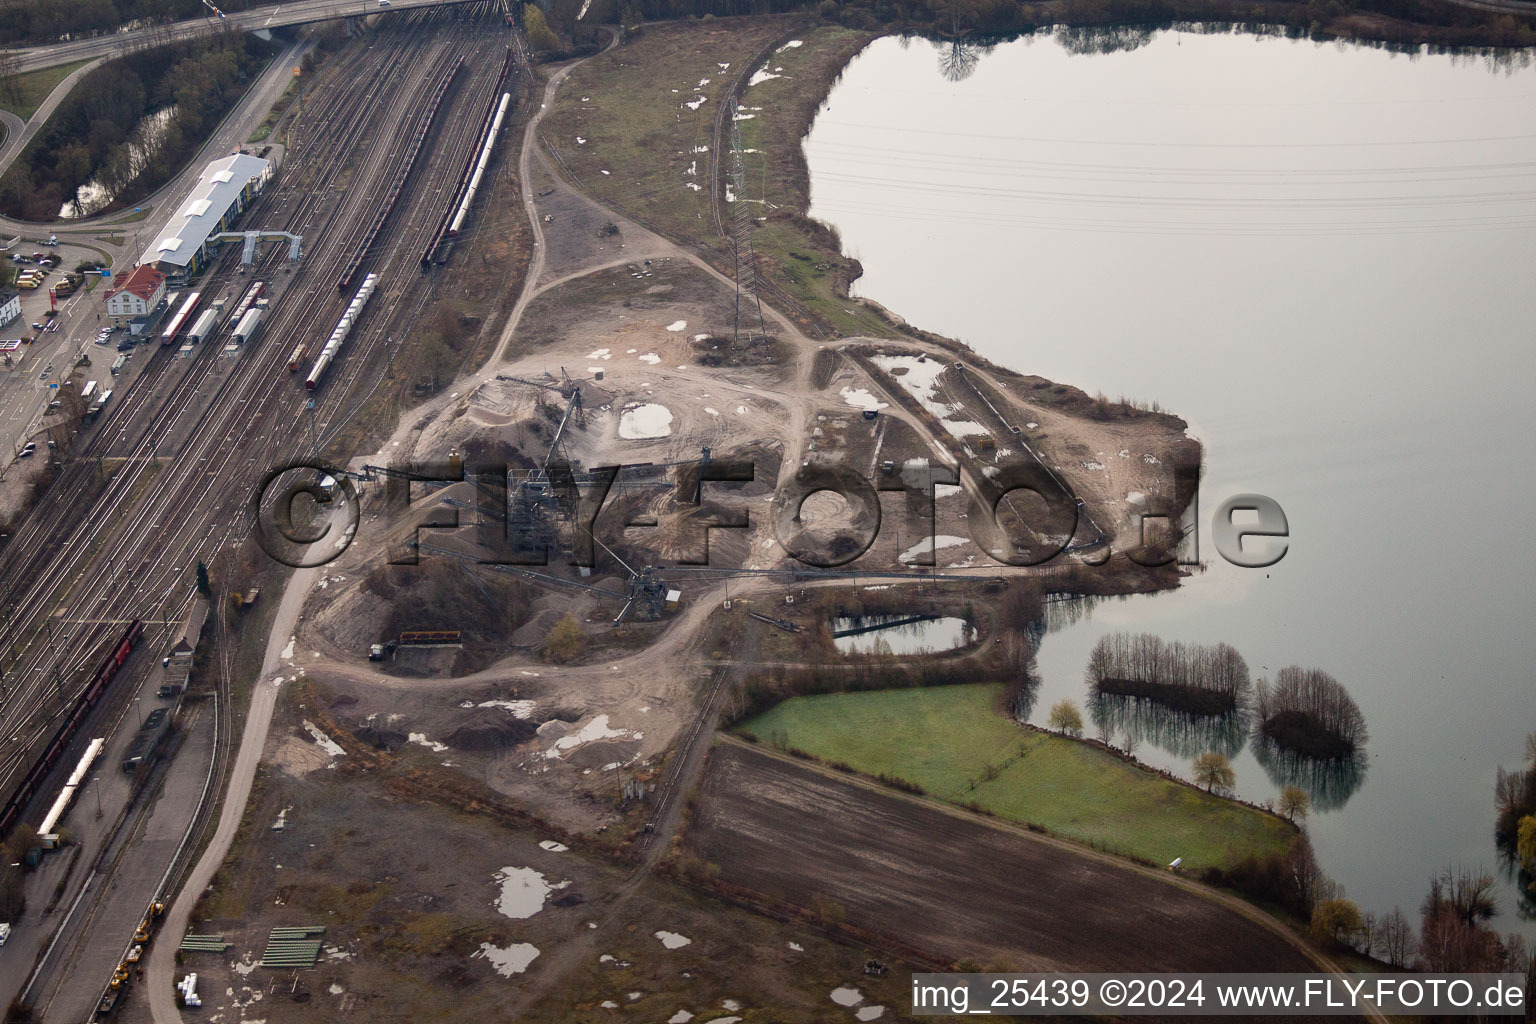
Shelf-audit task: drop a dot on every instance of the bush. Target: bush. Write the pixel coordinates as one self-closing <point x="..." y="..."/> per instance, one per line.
<point x="1335" y="922"/>
<point x="565" y="641"/>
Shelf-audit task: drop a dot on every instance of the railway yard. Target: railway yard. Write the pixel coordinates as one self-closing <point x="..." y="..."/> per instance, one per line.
<point x="391" y="747"/>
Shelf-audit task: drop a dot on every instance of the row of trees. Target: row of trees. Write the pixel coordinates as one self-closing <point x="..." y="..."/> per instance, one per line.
<point x="100" y="132"/>
<point x="1195" y="678"/>
<point x="1309" y="712"/>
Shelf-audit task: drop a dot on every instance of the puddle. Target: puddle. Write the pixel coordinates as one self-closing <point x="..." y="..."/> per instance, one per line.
<point x="898" y="634"/>
<point x="509" y="960"/>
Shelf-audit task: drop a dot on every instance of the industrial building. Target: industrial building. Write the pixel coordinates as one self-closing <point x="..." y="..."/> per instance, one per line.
<point x="10" y="306"/>
<point x="221" y="194"/>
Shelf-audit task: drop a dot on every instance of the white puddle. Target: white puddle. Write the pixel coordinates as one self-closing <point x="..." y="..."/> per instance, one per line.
<point x="680" y="1017"/>
<point x="596" y="729"/>
<point x="792" y="44"/>
<point x="760" y="76"/>
<point x="860" y="398"/>
<point x="523" y="892"/>
<point x="421" y="738"/>
<point x="288" y="649"/>
<point x="552" y="846"/>
<point x="327" y="744"/>
<point x="920" y="378"/>
<point x="650" y="357"/>
<point x="509" y="960"/>
<point x="846" y="996"/>
<point x="677" y="325"/>
<point x="644" y="421"/>
<point x="928" y="544"/>
<point x="672" y="940"/>
<point x="870" y="1012"/>
<point x="518" y="708"/>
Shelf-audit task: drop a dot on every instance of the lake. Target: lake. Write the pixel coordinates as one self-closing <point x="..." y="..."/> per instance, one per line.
<point x="1320" y="256"/>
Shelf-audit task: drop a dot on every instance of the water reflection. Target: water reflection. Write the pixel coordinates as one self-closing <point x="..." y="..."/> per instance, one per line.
<point x="957" y="59"/>
<point x="1182" y="735"/>
<point x="899" y="634"/>
<point x="1329" y="784"/>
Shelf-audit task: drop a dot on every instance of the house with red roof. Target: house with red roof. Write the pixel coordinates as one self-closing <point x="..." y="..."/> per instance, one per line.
<point x="136" y="294"/>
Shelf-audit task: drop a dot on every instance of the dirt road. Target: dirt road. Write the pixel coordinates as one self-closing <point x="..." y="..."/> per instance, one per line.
<point x="160" y="976"/>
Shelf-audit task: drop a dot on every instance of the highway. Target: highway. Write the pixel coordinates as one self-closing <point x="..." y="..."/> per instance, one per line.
<point x="273" y="16"/>
<point x="163" y="480"/>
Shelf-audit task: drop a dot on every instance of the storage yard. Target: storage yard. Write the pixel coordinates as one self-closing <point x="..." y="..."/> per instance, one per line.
<point x="429" y="779"/>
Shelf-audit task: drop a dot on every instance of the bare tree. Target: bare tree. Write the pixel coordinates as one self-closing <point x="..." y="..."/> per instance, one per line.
<point x="1395" y="939"/>
<point x="10" y="77"/>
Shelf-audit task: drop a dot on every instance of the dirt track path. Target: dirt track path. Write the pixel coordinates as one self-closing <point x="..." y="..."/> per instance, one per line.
<point x="160" y="975"/>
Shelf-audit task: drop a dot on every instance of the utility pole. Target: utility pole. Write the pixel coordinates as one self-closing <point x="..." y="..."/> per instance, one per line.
<point x="96" y="785"/>
<point x="314" y="439"/>
<point x="742" y="226"/>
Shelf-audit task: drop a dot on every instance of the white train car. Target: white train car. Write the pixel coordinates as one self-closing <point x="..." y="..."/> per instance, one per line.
<point x="462" y="212"/>
<point x="343" y="328"/>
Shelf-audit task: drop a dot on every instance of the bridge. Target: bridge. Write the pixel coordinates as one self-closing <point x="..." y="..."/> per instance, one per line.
<point x="274" y="16"/>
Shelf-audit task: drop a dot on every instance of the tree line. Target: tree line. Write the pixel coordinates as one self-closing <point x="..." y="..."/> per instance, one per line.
<point x="1194" y="678"/>
<point x="94" y="136"/>
<point x="1309" y="712"/>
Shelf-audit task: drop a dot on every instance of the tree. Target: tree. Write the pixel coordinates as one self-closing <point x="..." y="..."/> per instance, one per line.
<point x="204" y="587"/>
<point x="1066" y="718"/>
<point x="1525" y="845"/>
<point x="540" y="36"/>
<point x="1294" y="802"/>
<point x="565" y="640"/>
<point x="1335" y="922"/>
<point x="1395" y="939"/>
<point x="1214" y="771"/>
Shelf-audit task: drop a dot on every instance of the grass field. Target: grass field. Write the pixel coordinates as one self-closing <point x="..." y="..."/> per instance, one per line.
<point x="806" y="262"/>
<point x="951" y="741"/>
<point x="35" y="86"/>
<point x="638" y="110"/>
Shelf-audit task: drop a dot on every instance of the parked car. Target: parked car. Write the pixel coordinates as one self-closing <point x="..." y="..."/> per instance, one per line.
<point x="51" y="326"/>
<point x="39" y="326"/>
<point x="27" y="452"/>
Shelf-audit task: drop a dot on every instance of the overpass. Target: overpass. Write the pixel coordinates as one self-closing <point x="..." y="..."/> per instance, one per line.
<point x="273" y="16"/>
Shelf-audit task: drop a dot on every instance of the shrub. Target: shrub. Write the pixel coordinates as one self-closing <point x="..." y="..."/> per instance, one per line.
<point x="565" y="641"/>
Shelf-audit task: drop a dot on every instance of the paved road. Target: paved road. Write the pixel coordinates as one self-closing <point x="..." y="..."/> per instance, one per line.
<point x="274" y="16"/>
<point x="19" y="133"/>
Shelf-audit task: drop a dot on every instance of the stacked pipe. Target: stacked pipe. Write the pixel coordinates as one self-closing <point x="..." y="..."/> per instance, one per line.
<point x="417" y="142"/>
<point x="458" y="209"/>
<point x="343" y="328"/>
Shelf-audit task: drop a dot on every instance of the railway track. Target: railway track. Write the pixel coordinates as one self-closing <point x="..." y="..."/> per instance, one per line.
<point x="94" y="552"/>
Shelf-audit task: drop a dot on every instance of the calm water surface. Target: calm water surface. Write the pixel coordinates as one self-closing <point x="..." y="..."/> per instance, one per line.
<point x="1321" y="257"/>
